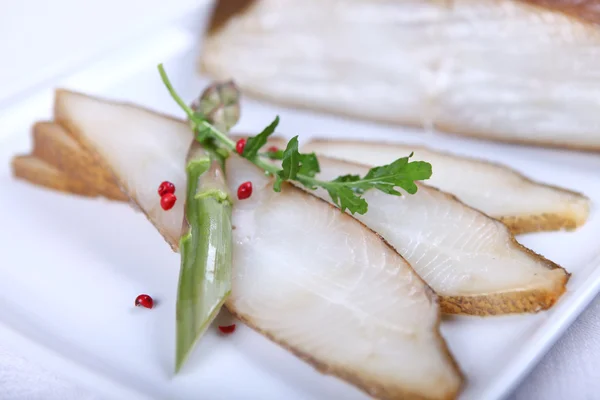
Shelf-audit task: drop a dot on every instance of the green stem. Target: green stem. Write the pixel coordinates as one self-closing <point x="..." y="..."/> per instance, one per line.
<point x="230" y="145"/>
<point x="217" y="134"/>
<point x="220" y="136"/>
<point x="205" y="276"/>
<point x="199" y="122"/>
<point x="171" y="89"/>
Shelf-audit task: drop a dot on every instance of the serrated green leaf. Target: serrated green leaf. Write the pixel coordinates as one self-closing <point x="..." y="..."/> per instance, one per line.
<point x="401" y="173"/>
<point x="346" y="199"/>
<point x="350" y="179"/>
<point x="291" y="160"/>
<point x="347" y="178"/>
<point x="309" y="165"/>
<point x="255" y="143"/>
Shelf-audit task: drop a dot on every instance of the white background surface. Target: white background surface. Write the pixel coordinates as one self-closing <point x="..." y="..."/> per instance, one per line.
<point x="61" y="35"/>
<point x="570" y="371"/>
<point x="41" y="39"/>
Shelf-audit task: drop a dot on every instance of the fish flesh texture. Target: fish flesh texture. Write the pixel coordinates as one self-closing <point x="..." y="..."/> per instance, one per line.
<point x="472" y="261"/>
<point x="497" y="190"/>
<point x="312" y="279"/>
<point x="481" y="68"/>
<point x="332" y="292"/>
<point x="129" y="141"/>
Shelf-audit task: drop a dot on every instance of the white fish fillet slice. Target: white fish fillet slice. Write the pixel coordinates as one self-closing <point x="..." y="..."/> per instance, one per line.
<point x="471" y="260"/>
<point x="331" y="291"/>
<point x="482" y="68"/>
<point x="138" y="146"/>
<point x="306" y="276"/>
<point x="497" y="190"/>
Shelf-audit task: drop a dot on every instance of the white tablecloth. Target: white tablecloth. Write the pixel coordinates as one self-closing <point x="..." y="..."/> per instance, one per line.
<point x="570" y="371"/>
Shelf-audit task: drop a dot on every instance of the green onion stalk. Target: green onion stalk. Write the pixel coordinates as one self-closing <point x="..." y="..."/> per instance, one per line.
<point x="206" y="245"/>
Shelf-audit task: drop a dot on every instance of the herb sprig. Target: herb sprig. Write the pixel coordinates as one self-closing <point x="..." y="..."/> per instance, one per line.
<point x="345" y="191"/>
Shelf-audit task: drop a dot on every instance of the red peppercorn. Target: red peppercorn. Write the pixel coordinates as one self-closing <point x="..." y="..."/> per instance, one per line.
<point x="245" y="190"/>
<point x="166" y="187"/>
<point x="273" y="149"/>
<point x="227" y="329"/>
<point x="239" y="146"/>
<point x="168" y="201"/>
<point x="143" y="300"/>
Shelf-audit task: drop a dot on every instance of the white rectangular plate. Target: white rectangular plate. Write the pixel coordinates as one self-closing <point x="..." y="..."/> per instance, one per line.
<point x="71" y="267"/>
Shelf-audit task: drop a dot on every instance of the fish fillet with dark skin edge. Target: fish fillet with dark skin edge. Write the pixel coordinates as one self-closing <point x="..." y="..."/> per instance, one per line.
<point x="54" y="145"/>
<point x="518" y="71"/>
<point x="479" y="267"/>
<point x="298" y="258"/>
<point x="40" y="173"/>
<point x="127" y="141"/>
<point x="297" y="261"/>
<point x="497" y="190"/>
<point x="472" y="261"/>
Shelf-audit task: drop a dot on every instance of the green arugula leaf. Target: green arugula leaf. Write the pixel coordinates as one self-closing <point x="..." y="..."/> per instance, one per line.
<point x="346" y="199"/>
<point x="346" y="190"/>
<point x="400" y="173"/>
<point x="347" y="178"/>
<point x="350" y="179"/>
<point x="255" y="143"/>
<point x="309" y="165"/>
<point x="297" y="166"/>
<point x="291" y="160"/>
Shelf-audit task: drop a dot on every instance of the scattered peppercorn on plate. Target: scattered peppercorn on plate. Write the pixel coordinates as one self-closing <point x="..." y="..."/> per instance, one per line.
<point x="116" y="196"/>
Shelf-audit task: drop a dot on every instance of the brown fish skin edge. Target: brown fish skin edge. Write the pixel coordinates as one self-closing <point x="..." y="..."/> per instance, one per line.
<point x="583" y="11"/>
<point x="224" y="10"/>
<point x="504" y="303"/>
<point x="541" y="223"/>
<point x="29" y="169"/>
<point x="75" y="162"/>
